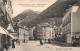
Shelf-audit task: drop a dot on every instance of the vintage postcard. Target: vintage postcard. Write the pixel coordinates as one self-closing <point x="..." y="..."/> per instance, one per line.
<point x="39" y="25"/>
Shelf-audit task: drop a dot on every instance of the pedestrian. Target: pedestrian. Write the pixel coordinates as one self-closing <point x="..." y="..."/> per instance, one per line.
<point x="49" y="41"/>
<point x="75" y="42"/>
<point x="41" y="43"/>
<point x="19" y="42"/>
<point x="13" y="45"/>
<point x="79" y="40"/>
<point x="6" y="44"/>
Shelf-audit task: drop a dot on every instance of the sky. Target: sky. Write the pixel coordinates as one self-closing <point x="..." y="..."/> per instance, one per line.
<point x="36" y="5"/>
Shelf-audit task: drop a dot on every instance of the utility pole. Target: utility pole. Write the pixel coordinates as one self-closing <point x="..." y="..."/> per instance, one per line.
<point x="24" y="37"/>
<point x="24" y="34"/>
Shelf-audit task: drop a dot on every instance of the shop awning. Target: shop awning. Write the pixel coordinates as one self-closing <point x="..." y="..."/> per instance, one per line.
<point x="5" y="32"/>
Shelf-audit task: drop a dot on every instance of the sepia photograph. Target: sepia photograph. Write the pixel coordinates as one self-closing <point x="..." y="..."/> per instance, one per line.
<point x="39" y="25"/>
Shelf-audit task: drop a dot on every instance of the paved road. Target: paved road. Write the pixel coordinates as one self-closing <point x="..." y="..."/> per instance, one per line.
<point x="35" y="46"/>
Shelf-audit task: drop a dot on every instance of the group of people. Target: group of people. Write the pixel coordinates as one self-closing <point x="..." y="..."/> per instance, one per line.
<point x="8" y="43"/>
<point x="75" y="41"/>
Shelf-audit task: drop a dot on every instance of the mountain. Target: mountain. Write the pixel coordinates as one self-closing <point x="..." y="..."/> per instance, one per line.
<point x="55" y="11"/>
<point x="27" y="16"/>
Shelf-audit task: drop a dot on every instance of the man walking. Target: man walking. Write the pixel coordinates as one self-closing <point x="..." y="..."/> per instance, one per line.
<point x="41" y="43"/>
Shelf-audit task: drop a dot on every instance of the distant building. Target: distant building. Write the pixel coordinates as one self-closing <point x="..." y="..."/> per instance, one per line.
<point x="31" y="30"/>
<point x="23" y="34"/>
<point x="55" y="32"/>
<point x="43" y="31"/>
<point x="22" y="31"/>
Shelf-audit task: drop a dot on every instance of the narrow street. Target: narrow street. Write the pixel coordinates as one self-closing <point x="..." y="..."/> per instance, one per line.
<point x="39" y="25"/>
<point x="35" y="46"/>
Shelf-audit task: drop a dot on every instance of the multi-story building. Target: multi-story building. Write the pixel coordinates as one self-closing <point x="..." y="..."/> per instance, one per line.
<point x="22" y="31"/>
<point x="23" y="34"/>
<point x="43" y="31"/>
<point x="6" y="22"/>
<point x="71" y="23"/>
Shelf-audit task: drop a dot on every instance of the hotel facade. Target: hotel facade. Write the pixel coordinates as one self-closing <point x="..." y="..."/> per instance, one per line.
<point x="70" y="23"/>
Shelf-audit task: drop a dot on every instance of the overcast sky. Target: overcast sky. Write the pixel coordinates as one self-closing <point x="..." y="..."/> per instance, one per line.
<point x="36" y="5"/>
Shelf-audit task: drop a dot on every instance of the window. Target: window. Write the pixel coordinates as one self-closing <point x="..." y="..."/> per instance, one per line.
<point x="5" y="2"/>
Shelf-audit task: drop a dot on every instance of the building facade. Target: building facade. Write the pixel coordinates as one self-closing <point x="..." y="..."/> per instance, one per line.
<point x="43" y="31"/>
<point x="71" y="23"/>
<point x="5" y="21"/>
<point x="55" y="32"/>
<point x="66" y="28"/>
<point x="23" y="34"/>
<point x="31" y="37"/>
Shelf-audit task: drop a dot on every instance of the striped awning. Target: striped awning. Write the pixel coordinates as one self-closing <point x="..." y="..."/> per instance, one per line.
<point x="5" y="32"/>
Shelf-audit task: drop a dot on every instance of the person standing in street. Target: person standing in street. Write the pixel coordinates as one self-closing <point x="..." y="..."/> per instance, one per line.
<point x="13" y="45"/>
<point x="79" y="40"/>
<point x="41" y="43"/>
<point x="19" y="42"/>
<point x="49" y="41"/>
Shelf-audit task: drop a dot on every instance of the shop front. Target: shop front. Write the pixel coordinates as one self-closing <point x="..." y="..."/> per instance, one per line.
<point x="5" y="39"/>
